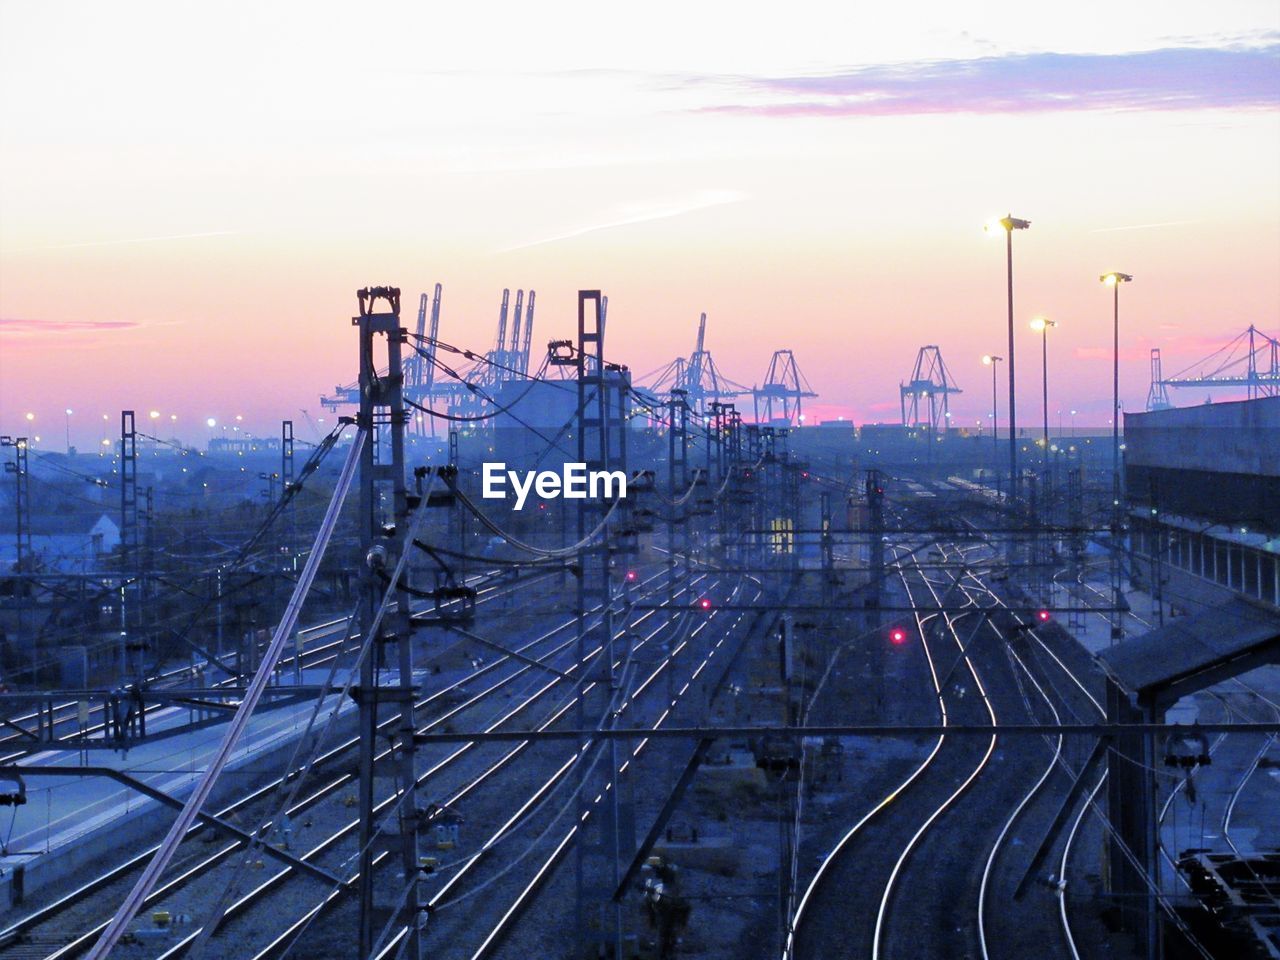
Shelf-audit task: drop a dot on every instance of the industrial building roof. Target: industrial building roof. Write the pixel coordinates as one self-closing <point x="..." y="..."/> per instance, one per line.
<point x="1194" y="652"/>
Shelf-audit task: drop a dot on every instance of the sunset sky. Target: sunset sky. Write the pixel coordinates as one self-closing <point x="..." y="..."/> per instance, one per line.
<point x="190" y="195"/>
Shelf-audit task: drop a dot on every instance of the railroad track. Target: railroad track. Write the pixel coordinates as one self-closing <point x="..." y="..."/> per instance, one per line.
<point x="1216" y="789"/>
<point x="943" y="863"/>
<point x="507" y="671"/>
<point x="317" y="650"/>
<point x="966" y="786"/>
<point x="865" y="852"/>
<point x="556" y="841"/>
<point x="1005" y="927"/>
<point x="1227" y="696"/>
<point x="501" y="812"/>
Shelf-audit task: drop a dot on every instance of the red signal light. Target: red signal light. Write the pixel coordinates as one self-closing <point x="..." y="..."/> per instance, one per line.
<point x="705" y="603"/>
<point x="631" y="576"/>
<point x="1043" y="616"/>
<point x="898" y="635"/>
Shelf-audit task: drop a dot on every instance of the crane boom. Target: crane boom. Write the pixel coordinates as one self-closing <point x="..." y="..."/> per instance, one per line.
<point x="429" y="378"/>
<point x="515" y="329"/>
<point x="414" y="365"/>
<point x="502" y="320"/>
<point x="528" y="335"/>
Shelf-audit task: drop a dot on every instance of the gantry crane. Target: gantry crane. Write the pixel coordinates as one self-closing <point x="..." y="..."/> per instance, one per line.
<point x="925" y="397"/>
<point x="785" y="386"/>
<point x="1250" y="359"/>
<point x="697" y="376"/>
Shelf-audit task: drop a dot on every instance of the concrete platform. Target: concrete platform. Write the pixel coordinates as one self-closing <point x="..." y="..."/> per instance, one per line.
<point x="69" y="821"/>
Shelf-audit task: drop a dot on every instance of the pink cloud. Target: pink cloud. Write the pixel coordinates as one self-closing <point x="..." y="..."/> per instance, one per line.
<point x="1127" y="354"/>
<point x="1183" y="78"/>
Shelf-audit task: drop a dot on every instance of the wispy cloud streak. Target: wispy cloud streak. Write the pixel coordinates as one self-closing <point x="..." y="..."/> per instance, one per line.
<point x="628" y="214"/>
<point x="22" y="325"/>
<point x="1182" y="78"/>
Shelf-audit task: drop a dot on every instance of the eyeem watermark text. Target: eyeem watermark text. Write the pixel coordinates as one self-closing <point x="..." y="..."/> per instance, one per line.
<point x="574" y="482"/>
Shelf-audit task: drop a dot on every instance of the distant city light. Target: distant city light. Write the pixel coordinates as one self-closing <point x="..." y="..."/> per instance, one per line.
<point x="211" y="422"/>
<point x="155" y="414"/>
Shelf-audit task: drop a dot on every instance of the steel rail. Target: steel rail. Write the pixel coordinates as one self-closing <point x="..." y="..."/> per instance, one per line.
<point x="495" y="934"/>
<point x="151" y="874"/>
<point x="249" y="899"/>
<point x="45" y="913"/>
<point x="889" y="798"/>
<point x="882" y="912"/>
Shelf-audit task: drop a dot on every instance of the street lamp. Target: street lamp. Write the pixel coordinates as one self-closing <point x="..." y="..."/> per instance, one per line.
<point x="1114" y="280"/>
<point x="991" y="360"/>
<point x="1042" y="325"/>
<point x="69" y="412"/>
<point x="1009" y="224"/>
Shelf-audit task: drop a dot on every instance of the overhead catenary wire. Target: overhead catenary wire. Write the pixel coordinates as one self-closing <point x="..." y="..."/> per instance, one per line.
<point x="242" y="555"/>
<point x="565" y="551"/>
<point x="151" y="874"/>
<point x="288" y="796"/>
<point x="522" y="817"/>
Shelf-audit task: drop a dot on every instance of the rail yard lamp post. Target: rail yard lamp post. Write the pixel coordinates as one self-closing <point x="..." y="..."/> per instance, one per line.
<point x="68" y="412"/>
<point x="1009" y="224"/>
<point x="1041" y="325"/>
<point x="1113" y="280"/>
<point x="991" y="360"/>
